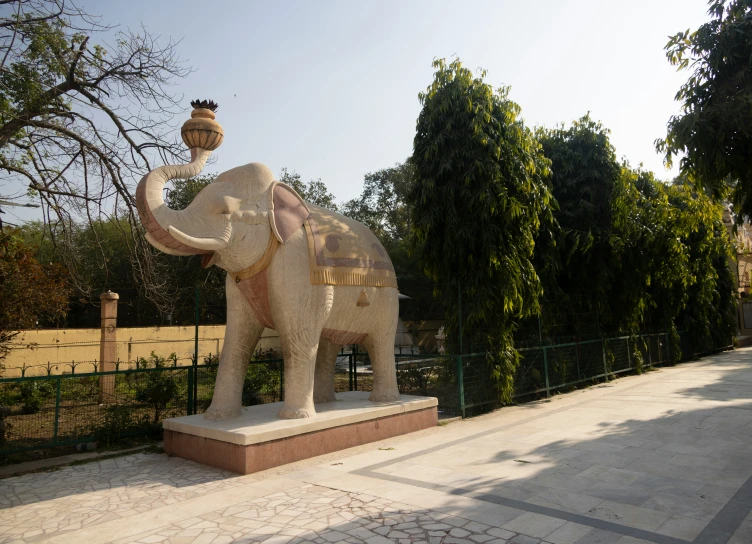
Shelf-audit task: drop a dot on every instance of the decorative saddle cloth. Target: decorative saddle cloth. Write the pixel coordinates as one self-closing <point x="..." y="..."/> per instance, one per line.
<point x="343" y="251"/>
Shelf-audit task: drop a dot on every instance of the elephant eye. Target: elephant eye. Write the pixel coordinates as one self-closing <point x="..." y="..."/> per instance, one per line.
<point x="227" y="205"/>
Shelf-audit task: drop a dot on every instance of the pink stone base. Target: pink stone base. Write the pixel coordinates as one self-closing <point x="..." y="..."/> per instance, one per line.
<point x="264" y="455"/>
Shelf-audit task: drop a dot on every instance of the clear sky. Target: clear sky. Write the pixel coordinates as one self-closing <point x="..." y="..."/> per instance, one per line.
<point x="330" y="88"/>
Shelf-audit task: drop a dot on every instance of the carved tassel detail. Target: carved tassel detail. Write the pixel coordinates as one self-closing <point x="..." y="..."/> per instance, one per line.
<point x="363" y="299"/>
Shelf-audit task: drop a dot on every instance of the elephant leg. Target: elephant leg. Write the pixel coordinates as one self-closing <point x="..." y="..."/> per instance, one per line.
<point x="299" y="310"/>
<point x="323" y="381"/>
<point x="299" y="328"/>
<point x="299" y="352"/>
<point x="381" y="352"/>
<point x="241" y="336"/>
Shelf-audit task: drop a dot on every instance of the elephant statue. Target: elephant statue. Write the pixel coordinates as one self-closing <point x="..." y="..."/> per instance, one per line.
<point x="322" y="280"/>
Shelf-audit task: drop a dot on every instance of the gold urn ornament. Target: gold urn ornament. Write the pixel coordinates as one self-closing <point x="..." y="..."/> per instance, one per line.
<point x="201" y="130"/>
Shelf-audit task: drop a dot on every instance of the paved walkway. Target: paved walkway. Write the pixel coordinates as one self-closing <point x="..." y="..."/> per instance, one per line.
<point x="665" y="457"/>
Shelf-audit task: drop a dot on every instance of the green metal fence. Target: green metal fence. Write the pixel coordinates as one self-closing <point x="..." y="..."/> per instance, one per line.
<point x="546" y="368"/>
<point x="57" y="410"/>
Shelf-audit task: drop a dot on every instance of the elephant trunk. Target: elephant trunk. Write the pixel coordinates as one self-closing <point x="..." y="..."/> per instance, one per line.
<point x="202" y="135"/>
<point x="155" y="216"/>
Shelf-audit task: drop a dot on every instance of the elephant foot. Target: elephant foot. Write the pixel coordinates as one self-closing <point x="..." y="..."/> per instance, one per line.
<point x="218" y="414"/>
<point x="326" y="397"/>
<point x="295" y="413"/>
<point x="388" y="396"/>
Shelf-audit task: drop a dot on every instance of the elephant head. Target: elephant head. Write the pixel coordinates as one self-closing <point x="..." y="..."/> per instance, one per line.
<point x="230" y="222"/>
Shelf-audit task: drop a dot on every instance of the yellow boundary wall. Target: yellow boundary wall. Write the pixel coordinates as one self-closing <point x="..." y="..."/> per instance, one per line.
<point x="60" y="350"/>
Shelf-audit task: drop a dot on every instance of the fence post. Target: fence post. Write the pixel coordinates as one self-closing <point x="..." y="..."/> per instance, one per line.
<point x="605" y="367"/>
<point x="57" y="409"/>
<point x="577" y="347"/>
<point x="459" y="292"/>
<point x="461" y="384"/>
<point x="545" y="371"/>
<point x="108" y="346"/>
<point x="189" y="407"/>
<point x="629" y="355"/>
<point x="355" y="366"/>
<point x="350" y="369"/>
<point x="540" y="331"/>
<point x="195" y="384"/>
<point x="196" y="319"/>
<point x="650" y="359"/>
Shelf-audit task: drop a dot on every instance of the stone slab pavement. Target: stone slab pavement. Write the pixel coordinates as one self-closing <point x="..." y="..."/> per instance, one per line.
<point x="664" y="458"/>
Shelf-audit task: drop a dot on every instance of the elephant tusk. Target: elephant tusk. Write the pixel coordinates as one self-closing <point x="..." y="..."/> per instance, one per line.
<point x="161" y="247"/>
<point x="207" y="244"/>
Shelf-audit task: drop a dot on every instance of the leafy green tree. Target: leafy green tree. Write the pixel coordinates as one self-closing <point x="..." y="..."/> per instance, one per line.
<point x="479" y="198"/>
<point x="30" y="292"/>
<point x="713" y="132"/>
<point x="103" y="243"/>
<point x="183" y="191"/>
<point x="707" y="305"/>
<point x="79" y="121"/>
<point x="643" y="232"/>
<point x="315" y="191"/>
<point x="383" y="205"/>
<point x="576" y="259"/>
<point x="186" y="274"/>
<point x="673" y="268"/>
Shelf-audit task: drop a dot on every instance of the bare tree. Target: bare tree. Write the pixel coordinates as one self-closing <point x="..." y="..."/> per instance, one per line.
<point x="80" y="121"/>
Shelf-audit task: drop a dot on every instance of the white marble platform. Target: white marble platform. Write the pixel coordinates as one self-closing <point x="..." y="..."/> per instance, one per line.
<point x="259" y="424"/>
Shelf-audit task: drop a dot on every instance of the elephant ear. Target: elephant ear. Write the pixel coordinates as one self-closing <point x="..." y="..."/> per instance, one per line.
<point x="287" y="211"/>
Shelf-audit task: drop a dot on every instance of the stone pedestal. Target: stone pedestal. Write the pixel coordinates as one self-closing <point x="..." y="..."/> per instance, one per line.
<point x="258" y="440"/>
<point x="108" y="346"/>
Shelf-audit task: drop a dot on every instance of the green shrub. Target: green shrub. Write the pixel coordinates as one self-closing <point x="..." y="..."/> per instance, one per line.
<point x="157" y="388"/>
<point x="263" y="380"/>
<point x="117" y="421"/>
<point x="415" y="379"/>
<point x="8" y="395"/>
<point x="638" y="360"/>
<point x="32" y="395"/>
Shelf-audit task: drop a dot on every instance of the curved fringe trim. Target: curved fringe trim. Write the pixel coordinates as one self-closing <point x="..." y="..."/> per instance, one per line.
<point x="373" y="278"/>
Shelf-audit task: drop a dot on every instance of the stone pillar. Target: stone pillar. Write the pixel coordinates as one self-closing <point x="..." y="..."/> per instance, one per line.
<point x="108" y="346"/>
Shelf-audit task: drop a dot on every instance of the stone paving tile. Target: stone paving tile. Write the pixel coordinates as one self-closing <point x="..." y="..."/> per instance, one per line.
<point x="665" y="484"/>
<point x="517" y="491"/>
<point x="627" y="514"/>
<point x="703" y="509"/>
<point x="631" y="540"/>
<point x="698" y="461"/>
<point x="619" y="493"/>
<point x="565" y="500"/>
<point x="743" y="534"/>
<point x="662" y="468"/>
<point x="684" y="528"/>
<point x="599" y="536"/>
<point x="612" y="475"/>
<point x="312" y="513"/>
<point x="569" y="533"/>
<point x="535" y="525"/>
<point x="43" y="504"/>
<point x="565" y="482"/>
